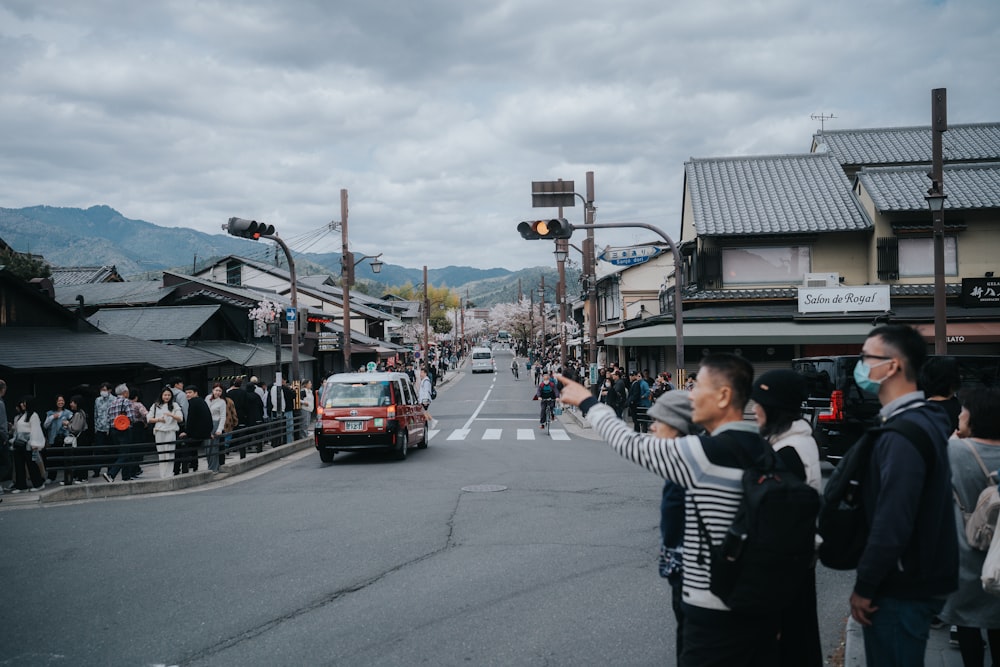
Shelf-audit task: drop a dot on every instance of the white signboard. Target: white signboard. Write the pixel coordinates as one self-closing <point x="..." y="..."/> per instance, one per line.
<point x="865" y="298"/>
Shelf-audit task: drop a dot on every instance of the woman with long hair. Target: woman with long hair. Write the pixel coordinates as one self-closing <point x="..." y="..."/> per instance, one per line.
<point x="165" y="415"/>
<point x="29" y="441"/>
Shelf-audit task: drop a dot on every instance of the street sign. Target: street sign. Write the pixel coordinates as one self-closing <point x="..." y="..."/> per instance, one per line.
<point x="371" y="366"/>
<point x="552" y="194"/>
<point x="629" y="256"/>
<point x="290" y="314"/>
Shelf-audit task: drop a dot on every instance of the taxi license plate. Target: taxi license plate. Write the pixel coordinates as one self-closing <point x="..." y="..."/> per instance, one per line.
<point x="354" y="426"/>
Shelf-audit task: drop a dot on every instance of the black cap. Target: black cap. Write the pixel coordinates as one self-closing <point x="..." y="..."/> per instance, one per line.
<point x="780" y="389"/>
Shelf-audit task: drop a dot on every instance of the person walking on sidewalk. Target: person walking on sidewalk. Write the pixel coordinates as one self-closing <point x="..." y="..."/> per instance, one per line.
<point x="709" y="468"/>
<point x="910" y="561"/>
<point x="197" y="428"/>
<point x="29" y="441"/>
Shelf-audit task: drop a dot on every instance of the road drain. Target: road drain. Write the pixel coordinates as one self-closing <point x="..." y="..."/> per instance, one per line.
<point x="484" y="488"/>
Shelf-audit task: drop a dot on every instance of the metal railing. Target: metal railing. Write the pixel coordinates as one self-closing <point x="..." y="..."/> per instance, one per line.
<point x="187" y="454"/>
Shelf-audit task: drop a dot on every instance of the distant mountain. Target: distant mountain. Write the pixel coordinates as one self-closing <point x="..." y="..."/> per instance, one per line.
<point x="100" y="236"/>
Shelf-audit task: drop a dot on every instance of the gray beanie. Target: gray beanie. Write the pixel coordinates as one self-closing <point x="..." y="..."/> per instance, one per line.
<point x="674" y="409"/>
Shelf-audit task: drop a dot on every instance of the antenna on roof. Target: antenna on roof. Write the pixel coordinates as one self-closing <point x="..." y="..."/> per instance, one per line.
<point x="822" y="118"/>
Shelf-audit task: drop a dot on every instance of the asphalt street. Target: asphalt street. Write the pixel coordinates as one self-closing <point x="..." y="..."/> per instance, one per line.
<point x="492" y="548"/>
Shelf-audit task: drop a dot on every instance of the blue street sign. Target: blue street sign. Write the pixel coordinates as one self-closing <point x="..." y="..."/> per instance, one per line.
<point x="289" y="314"/>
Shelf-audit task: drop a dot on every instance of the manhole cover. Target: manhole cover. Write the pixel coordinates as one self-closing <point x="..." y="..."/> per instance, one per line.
<point x="484" y="488"/>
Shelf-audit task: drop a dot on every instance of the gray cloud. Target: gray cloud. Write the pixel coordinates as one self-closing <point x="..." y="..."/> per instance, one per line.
<point x="437" y="115"/>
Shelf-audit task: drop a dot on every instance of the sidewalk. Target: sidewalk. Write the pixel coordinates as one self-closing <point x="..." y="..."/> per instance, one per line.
<point x="940" y="653"/>
<point x="151" y="482"/>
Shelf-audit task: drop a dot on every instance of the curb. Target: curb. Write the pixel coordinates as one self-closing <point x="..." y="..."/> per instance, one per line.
<point x="99" y="489"/>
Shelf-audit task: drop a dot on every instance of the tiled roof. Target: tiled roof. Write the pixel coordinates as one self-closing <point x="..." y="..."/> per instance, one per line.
<point x="911" y="145"/>
<point x="246" y="354"/>
<point x="80" y="275"/>
<point x="163" y="323"/>
<point x="968" y="186"/>
<point x="787" y="194"/>
<point x="138" y="293"/>
<point x="52" y="349"/>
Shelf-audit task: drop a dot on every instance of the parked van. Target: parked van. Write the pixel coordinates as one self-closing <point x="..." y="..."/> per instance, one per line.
<point x="482" y="360"/>
<point x="841" y="411"/>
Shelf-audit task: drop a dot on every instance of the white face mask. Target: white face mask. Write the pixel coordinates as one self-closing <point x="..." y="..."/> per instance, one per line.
<point x="105" y="393"/>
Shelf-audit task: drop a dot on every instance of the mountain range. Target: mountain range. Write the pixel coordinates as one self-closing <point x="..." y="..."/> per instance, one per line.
<point x="101" y="236"/>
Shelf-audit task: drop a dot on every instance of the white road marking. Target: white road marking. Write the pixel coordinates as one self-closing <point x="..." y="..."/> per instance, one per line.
<point x="559" y="434"/>
<point x="525" y="434"/>
<point x="492" y="434"/>
<point x="459" y="434"/>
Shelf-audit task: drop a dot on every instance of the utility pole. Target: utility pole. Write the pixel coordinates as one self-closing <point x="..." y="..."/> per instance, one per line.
<point x="935" y="199"/>
<point x="590" y="262"/>
<point x="346" y="280"/>
<point x="427" y="315"/>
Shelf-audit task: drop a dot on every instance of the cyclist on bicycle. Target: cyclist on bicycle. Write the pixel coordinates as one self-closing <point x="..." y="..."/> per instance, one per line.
<point x="513" y="367"/>
<point x="548" y="392"/>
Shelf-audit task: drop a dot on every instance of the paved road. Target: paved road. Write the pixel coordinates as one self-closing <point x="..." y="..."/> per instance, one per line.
<point x="365" y="561"/>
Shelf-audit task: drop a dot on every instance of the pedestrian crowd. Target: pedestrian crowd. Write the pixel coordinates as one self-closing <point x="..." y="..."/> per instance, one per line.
<point x="109" y="435"/>
<point x="915" y="564"/>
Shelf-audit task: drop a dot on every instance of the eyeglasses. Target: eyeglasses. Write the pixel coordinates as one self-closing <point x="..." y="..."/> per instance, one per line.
<point x="864" y="356"/>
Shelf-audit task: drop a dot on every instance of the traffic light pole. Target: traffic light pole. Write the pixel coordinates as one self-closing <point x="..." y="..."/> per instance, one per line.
<point x="293" y="327"/>
<point x="678" y="306"/>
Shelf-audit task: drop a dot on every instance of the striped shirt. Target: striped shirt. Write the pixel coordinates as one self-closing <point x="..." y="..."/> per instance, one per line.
<point x="706" y="469"/>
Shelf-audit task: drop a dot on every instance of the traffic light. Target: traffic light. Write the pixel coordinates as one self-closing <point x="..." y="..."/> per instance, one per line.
<point x="249" y="229"/>
<point x="558" y="228"/>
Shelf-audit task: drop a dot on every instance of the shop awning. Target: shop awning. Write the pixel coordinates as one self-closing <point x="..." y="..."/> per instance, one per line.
<point x="964" y="332"/>
<point x="745" y="333"/>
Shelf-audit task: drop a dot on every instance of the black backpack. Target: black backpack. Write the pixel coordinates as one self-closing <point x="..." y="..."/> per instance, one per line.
<point x="768" y="551"/>
<point x="843" y="523"/>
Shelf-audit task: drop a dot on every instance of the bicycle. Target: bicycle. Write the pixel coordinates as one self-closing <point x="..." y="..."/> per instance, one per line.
<point x="550" y="404"/>
<point x="513" y="369"/>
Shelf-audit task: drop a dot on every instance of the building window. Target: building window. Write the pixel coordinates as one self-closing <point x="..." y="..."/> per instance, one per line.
<point x="748" y="266"/>
<point x="234" y="273"/>
<point x="916" y="257"/>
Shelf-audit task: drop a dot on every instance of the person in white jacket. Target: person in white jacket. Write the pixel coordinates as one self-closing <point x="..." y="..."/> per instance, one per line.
<point x="165" y="416"/>
<point x="29" y="441"/>
<point x="778" y="397"/>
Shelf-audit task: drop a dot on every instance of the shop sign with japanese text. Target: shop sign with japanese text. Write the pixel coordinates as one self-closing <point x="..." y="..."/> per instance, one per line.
<point x="980" y="292"/>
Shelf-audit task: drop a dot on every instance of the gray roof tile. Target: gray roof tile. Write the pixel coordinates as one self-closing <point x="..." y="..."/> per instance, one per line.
<point x="968" y="186"/>
<point x="52" y="348"/>
<point x="163" y="323"/>
<point x="911" y="145"/>
<point x="80" y="275"/>
<point x="138" y="293"/>
<point x="785" y="194"/>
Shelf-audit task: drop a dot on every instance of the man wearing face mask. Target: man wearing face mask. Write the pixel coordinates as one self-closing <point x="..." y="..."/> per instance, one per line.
<point x="102" y="427"/>
<point x="910" y="561"/>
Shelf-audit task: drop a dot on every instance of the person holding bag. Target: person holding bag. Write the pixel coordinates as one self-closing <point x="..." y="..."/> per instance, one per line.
<point x="974" y="452"/>
<point x="75" y="427"/>
<point x="29" y="441"/>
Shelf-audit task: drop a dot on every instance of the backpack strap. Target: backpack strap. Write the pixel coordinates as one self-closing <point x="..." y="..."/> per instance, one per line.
<point x="979" y="460"/>
<point x="917" y="436"/>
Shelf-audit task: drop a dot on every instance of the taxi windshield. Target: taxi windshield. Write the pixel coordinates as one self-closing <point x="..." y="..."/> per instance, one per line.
<point x="355" y="394"/>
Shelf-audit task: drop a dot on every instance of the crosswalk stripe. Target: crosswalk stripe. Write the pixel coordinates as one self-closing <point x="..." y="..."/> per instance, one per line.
<point x="459" y="434"/>
<point x="525" y="434"/>
<point x="558" y="434"/>
<point x="492" y="434"/>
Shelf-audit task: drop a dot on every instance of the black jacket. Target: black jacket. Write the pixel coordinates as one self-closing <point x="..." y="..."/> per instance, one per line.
<point x="199" y="419"/>
<point x="912" y="549"/>
<point x="241" y="401"/>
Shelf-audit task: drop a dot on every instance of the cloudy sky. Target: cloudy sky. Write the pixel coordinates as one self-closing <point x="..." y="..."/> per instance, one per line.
<point x="436" y="115"/>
